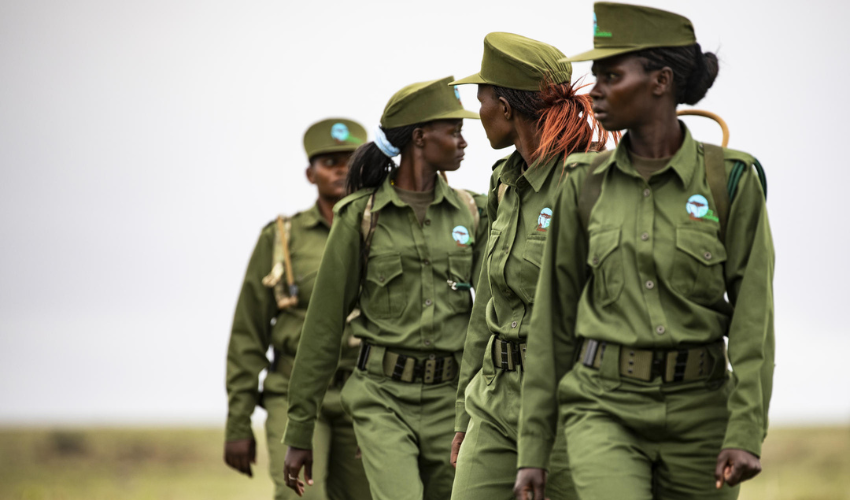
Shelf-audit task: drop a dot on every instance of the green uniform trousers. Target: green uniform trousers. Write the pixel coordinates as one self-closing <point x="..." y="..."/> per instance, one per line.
<point x="405" y="434"/>
<point x="643" y="441"/>
<point x="337" y="474"/>
<point x="487" y="463"/>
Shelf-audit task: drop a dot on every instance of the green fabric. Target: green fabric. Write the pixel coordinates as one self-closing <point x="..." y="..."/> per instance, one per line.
<point x="620" y="28"/>
<point x="424" y="102"/>
<point x="643" y="441"/>
<point x="258" y="324"/>
<point x="505" y="296"/>
<point x="419" y="201"/>
<point x="487" y="463"/>
<point x="333" y="135"/>
<point x="657" y="281"/>
<point x="516" y="62"/>
<point x="406" y="302"/>
<point x="405" y="434"/>
<point x="337" y="474"/>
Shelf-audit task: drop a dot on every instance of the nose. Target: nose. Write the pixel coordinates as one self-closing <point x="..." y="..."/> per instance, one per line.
<point x="462" y="144"/>
<point x="596" y="92"/>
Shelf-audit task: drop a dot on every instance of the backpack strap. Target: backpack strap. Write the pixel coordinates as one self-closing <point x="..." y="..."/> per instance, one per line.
<point x="285" y="297"/>
<point x="591" y="189"/>
<point x="735" y="178"/>
<point x="469" y="201"/>
<point x="368" y="224"/>
<point x="501" y="193"/>
<point x="715" y="176"/>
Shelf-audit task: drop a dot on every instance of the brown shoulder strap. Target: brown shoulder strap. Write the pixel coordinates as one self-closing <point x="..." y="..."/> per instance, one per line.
<point x="715" y="176"/>
<point x="503" y="188"/>
<point x="591" y="189"/>
<point x="367" y="229"/>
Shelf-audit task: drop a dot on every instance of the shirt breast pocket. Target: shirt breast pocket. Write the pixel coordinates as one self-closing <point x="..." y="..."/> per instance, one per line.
<point x="532" y="257"/>
<point x="697" y="272"/>
<point x="460" y="271"/>
<point x="384" y="294"/>
<point x="606" y="260"/>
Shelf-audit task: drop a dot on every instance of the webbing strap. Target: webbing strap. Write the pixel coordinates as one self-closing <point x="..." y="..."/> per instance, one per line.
<point x="503" y="188"/>
<point x="591" y="189"/>
<point x="715" y="175"/>
<point x="285" y="296"/>
<point x="469" y="201"/>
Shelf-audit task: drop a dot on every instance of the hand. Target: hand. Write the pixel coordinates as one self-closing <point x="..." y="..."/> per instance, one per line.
<point x="530" y="480"/>
<point x="735" y="466"/>
<point x="456" y="442"/>
<point x="292" y="463"/>
<point x="240" y="454"/>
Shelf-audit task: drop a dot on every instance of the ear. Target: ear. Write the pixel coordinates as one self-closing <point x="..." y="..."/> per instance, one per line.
<point x="663" y="82"/>
<point x="311" y="174"/>
<point x="507" y="110"/>
<point x="418" y="137"/>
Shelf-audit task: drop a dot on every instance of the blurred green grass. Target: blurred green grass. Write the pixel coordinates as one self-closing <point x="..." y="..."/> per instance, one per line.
<point x="186" y="464"/>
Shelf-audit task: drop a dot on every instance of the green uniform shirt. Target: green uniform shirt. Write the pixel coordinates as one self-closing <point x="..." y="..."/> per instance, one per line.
<point x="406" y="304"/>
<point x="258" y="323"/>
<point x="652" y="275"/>
<point x="505" y="296"/>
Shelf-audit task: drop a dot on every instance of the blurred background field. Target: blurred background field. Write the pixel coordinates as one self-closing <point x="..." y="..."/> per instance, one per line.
<point x="810" y="463"/>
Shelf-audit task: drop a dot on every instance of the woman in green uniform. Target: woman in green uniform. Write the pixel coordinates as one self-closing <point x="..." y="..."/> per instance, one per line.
<point x="405" y="248"/>
<point x="527" y="101"/>
<point x="268" y="314"/>
<point x="645" y="243"/>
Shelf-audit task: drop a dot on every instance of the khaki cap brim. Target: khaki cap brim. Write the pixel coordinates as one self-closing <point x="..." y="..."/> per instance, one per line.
<point x="472" y="79"/>
<point x="461" y="113"/>
<point x="592" y="55"/>
<point x="342" y="148"/>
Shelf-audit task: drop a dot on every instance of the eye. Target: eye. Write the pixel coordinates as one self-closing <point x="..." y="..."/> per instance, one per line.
<point x="329" y="162"/>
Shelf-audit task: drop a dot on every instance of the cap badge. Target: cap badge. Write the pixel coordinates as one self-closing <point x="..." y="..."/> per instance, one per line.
<point x="544" y="219"/>
<point x="596" y="32"/>
<point x="698" y="209"/>
<point x="457" y="94"/>
<point x="461" y="236"/>
<point x="339" y="132"/>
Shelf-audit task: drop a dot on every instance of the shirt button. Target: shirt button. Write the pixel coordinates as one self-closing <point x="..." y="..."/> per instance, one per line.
<point x="513" y="325"/>
<point x="427" y="342"/>
<point x="707" y="255"/>
<point x="646" y="193"/>
<point x="650" y="285"/>
<point x="426" y="262"/>
<point x="660" y="330"/>
<point x="644" y="236"/>
<point x="427" y="302"/>
<point x="595" y="260"/>
<point x="427" y="222"/>
<point x="381" y="279"/>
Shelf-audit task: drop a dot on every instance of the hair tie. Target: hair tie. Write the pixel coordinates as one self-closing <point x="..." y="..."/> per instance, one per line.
<point x="384" y="144"/>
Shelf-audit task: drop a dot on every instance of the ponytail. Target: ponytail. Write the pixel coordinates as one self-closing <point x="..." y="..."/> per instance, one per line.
<point x="369" y="166"/>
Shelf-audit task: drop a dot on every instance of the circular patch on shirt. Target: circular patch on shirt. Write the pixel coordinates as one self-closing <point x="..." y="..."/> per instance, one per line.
<point x="544" y="219"/>
<point x="461" y="235"/>
<point x="697" y="206"/>
<point x="339" y="131"/>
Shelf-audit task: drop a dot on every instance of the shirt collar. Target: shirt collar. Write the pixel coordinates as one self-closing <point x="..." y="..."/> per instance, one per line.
<point x="535" y="175"/>
<point x="313" y="217"/>
<point x="386" y="194"/>
<point x="683" y="162"/>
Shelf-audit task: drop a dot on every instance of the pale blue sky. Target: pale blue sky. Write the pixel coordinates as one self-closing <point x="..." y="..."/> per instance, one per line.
<point x="143" y="145"/>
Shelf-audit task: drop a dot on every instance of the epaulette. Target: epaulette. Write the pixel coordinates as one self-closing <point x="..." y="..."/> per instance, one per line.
<point x="500" y="161"/>
<point x="363" y="193"/>
<point x="577" y="159"/>
<point x="735" y="155"/>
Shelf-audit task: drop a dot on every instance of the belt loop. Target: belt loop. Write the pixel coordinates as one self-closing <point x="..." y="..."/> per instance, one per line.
<point x="610" y="365"/>
<point x="375" y="363"/>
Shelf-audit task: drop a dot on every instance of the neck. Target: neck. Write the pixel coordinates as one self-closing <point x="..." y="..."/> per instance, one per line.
<point x="657" y="138"/>
<point x="414" y="173"/>
<point x="326" y="207"/>
<point x="526" y="139"/>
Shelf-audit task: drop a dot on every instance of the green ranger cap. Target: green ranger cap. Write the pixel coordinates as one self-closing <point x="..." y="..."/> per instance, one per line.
<point x="619" y="28"/>
<point x="424" y="102"/>
<point x="516" y="62"/>
<point x="332" y="136"/>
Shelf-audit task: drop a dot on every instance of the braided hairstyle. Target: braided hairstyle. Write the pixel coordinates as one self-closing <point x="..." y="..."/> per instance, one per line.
<point x="694" y="72"/>
<point x="565" y="120"/>
<point x="369" y="166"/>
